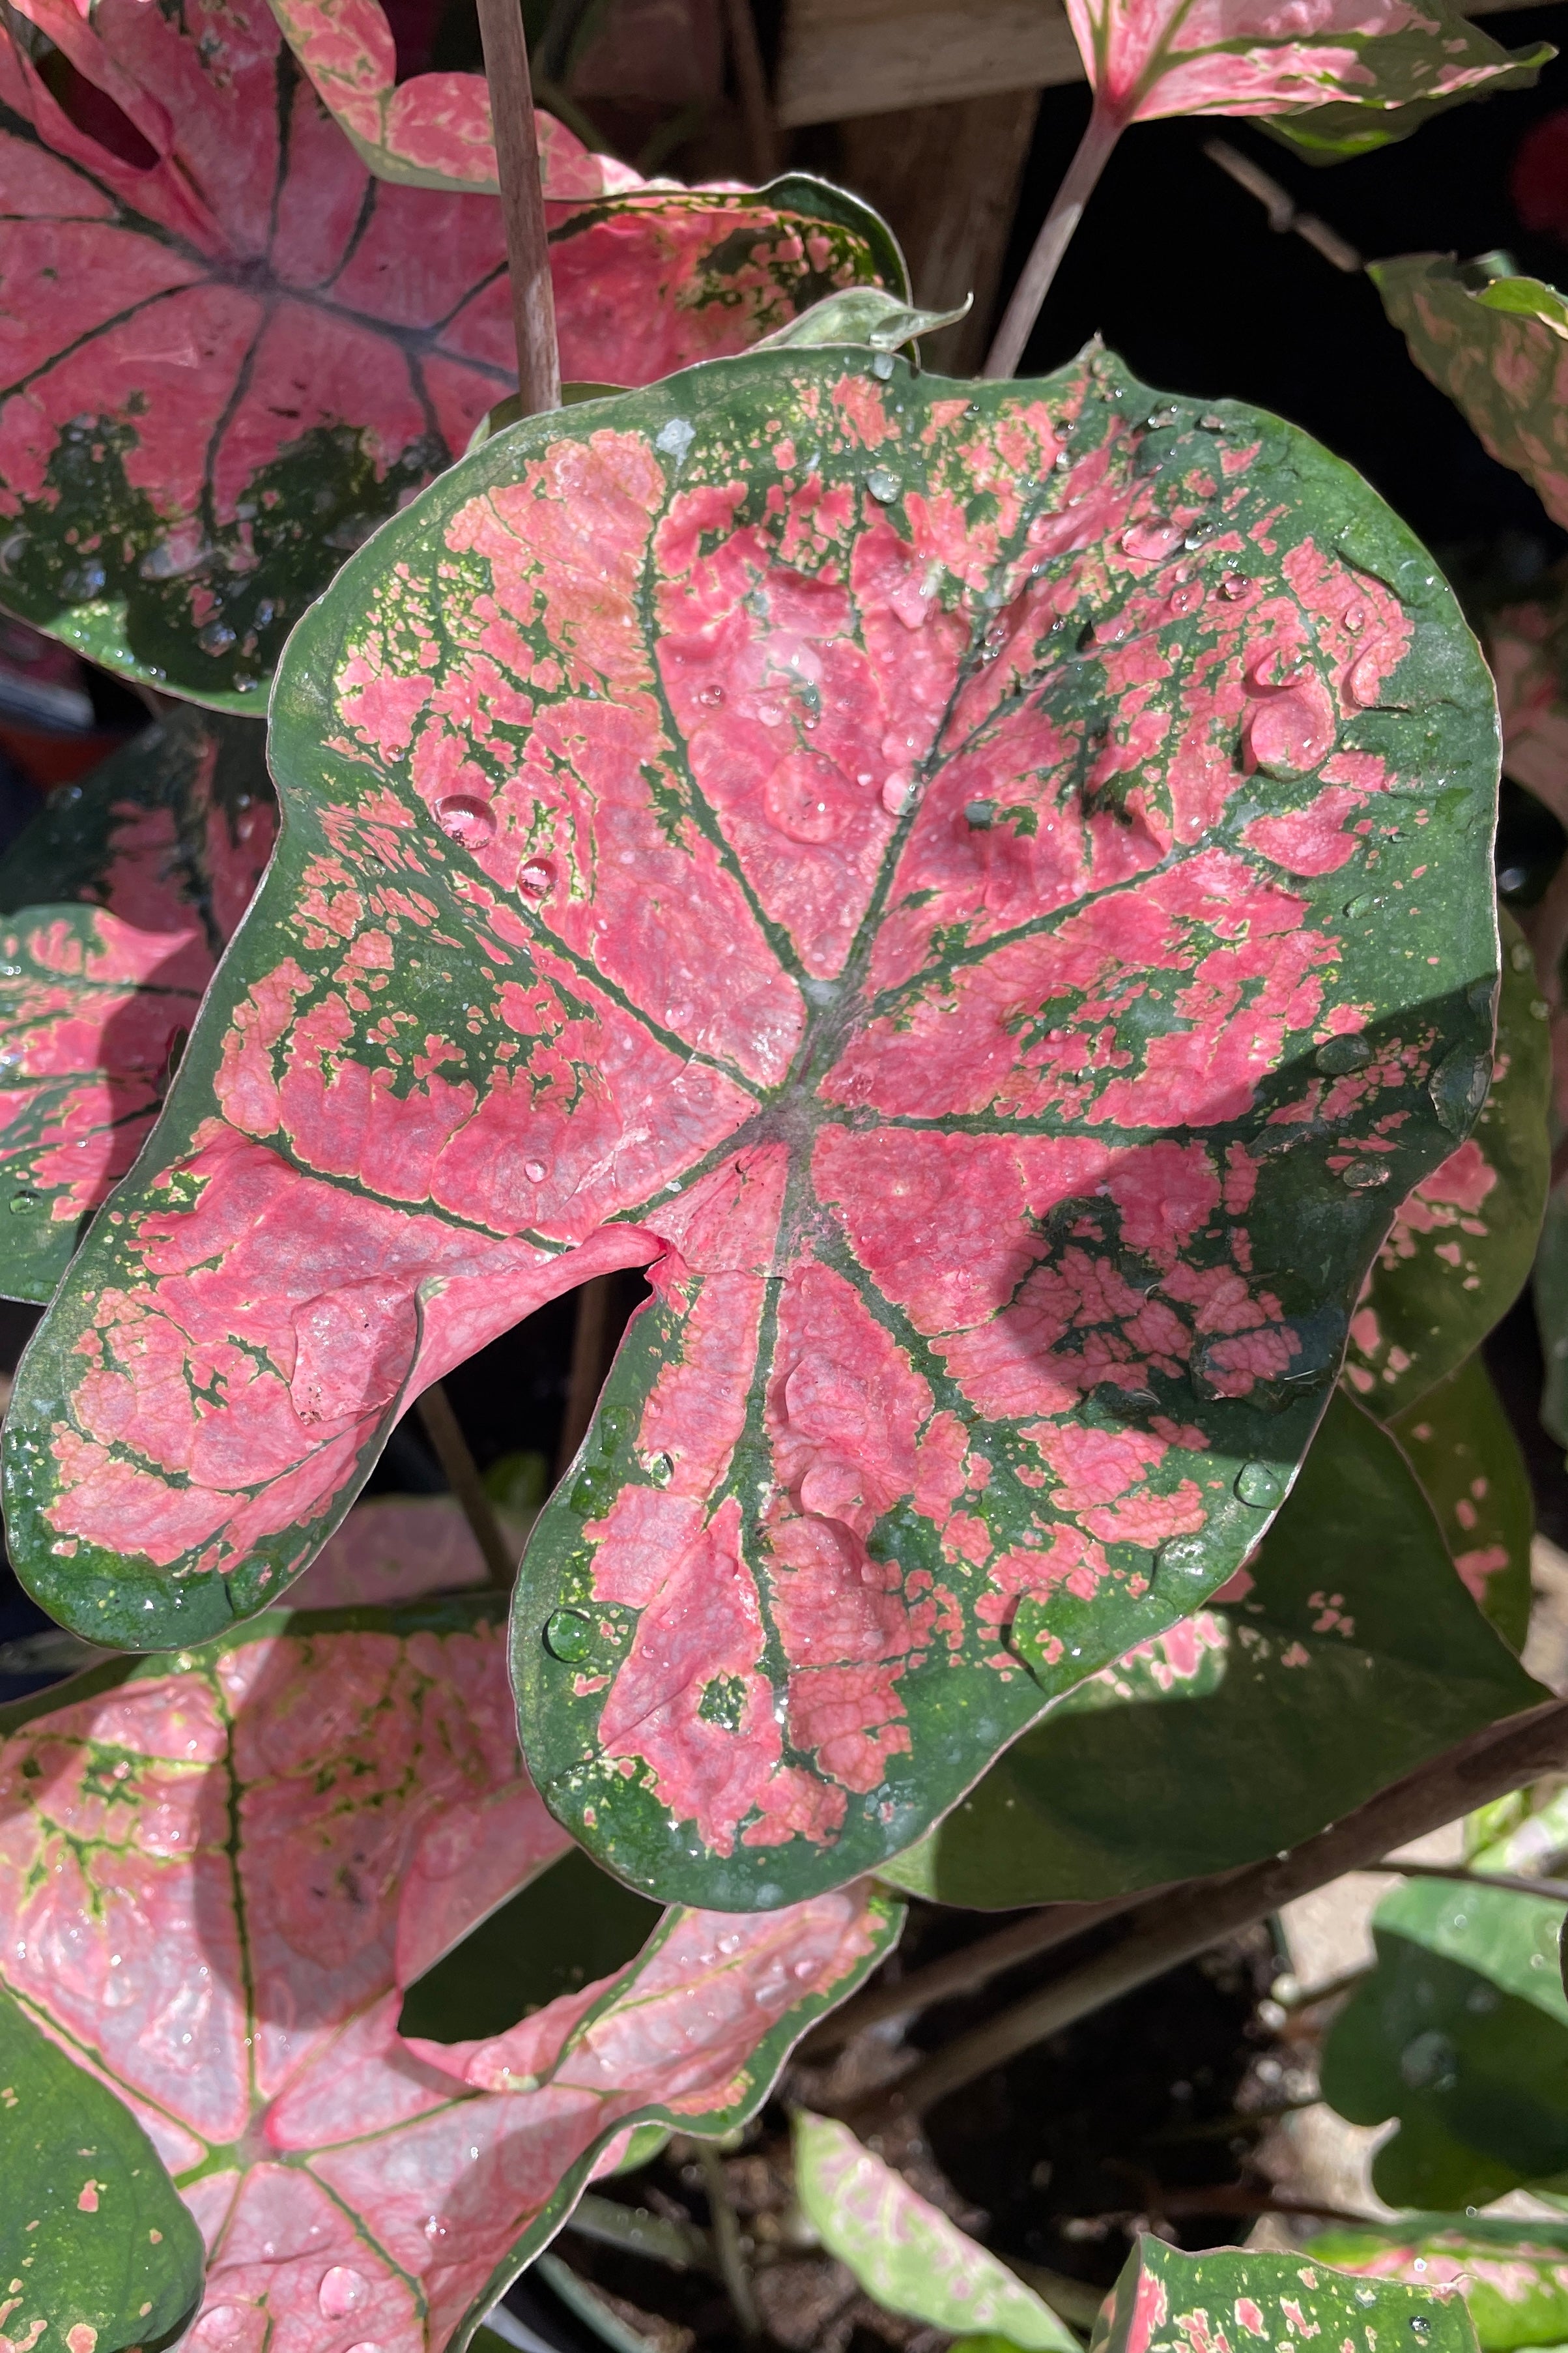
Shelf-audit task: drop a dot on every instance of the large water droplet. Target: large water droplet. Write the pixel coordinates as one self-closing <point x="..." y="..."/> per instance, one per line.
<point x="534" y="877"/>
<point x="1260" y="1484"/>
<point x="805" y="797"/>
<point x="1149" y="541"/>
<point x="1430" y="2063"/>
<point x="85" y="581"/>
<point x="535" y="1171"/>
<point x="342" y="2291"/>
<point x="898" y="792"/>
<point x="883" y="486"/>
<point x="1291" y="733"/>
<point x="882" y="367"/>
<point x="569" y="1636"/>
<point x="23" y="1204"/>
<point x="1419" y="2324"/>
<point x="1337" y="1055"/>
<point x="464" y="818"/>
<point x="1365" y="1175"/>
<point x="1458" y="1088"/>
<point x="1183" y="1561"/>
<point x="215" y="638"/>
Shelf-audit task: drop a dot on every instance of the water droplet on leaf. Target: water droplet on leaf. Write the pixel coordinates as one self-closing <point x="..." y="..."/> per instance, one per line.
<point x="882" y="366"/>
<point x="1260" y="1484"/>
<point x="23" y="1204"/>
<point x="897" y="792"/>
<point x="464" y="818"/>
<point x="535" y="1171"/>
<point x="1148" y="542"/>
<point x="342" y="2291"/>
<point x="1365" y="1175"/>
<point x="883" y="486"/>
<point x="1458" y="1088"/>
<point x="534" y="877"/>
<point x="1234" y="585"/>
<point x="569" y="1636"/>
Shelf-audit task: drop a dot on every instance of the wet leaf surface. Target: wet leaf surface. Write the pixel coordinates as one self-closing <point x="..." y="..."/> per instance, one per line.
<point x="905" y="2253"/>
<point x="224" y="364"/>
<point x="218" y="1872"/>
<point x="1460" y="1248"/>
<point x="905" y="862"/>
<point x="1514" y="2276"/>
<point x="96" y="2250"/>
<point x="115" y="905"/>
<point x="1346" y="1655"/>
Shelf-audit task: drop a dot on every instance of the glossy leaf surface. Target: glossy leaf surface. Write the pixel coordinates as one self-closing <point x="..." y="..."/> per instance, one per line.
<point x="1514" y="2276"/>
<point x="1365" y="65"/>
<point x="787" y="828"/>
<point x="217" y="1873"/>
<point x="1461" y="1446"/>
<point x="1497" y="343"/>
<point x="221" y="367"/>
<point x="96" y="2250"/>
<point x="1346" y="1655"/>
<point x="1461" y="2032"/>
<point x="1168" y="2302"/>
<point x="906" y="2252"/>
<point x="1460" y="1248"/>
<point x="115" y="905"/>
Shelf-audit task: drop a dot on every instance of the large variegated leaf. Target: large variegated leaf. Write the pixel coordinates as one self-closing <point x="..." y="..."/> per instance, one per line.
<point x="1345" y="1655"/>
<point x="1169" y="2302"/>
<point x="1497" y="343"/>
<point x="1349" y="75"/>
<point x="114" y="907"/>
<point x="908" y="2254"/>
<point x="96" y="2250"/>
<point x="223" y="365"/>
<point x="984" y="890"/>
<point x="1514" y="2276"/>
<point x="217" y="1875"/>
<point x="1527" y="646"/>
<point x="1460" y="1250"/>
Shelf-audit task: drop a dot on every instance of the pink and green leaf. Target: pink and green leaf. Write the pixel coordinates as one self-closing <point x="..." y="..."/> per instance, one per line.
<point x="1527" y="646"/>
<point x="1497" y="343"/>
<point x="1358" y="74"/>
<point x="1461" y="1446"/>
<point x="1344" y="1655"/>
<point x="115" y="905"/>
<point x="218" y="1874"/>
<point x="1169" y="2302"/>
<point x="1514" y="2276"/>
<point x="224" y="364"/>
<point x="97" y="2252"/>
<point x="1460" y="1248"/>
<point x="906" y="862"/>
<point x="907" y="2254"/>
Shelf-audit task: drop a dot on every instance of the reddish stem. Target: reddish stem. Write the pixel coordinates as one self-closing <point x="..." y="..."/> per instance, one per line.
<point x="1094" y="148"/>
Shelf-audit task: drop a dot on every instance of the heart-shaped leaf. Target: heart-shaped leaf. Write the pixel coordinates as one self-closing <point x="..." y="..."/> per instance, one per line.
<point x="1461" y="1446"/>
<point x="1168" y="2302"/>
<point x="891" y="855"/>
<point x="223" y="363"/>
<point x="1497" y="343"/>
<point x="1461" y="2032"/>
<point x="1357" y="75"/>
<point x="1460" y="1250"/>
<point x="114" y="907"/>
<point x="1345" y="1655"/>
<point x="96" y="2250"/>
<point x="1514" y="2276"/>
<point x="906" y="2252"/>
<point x="216" y="1876"/>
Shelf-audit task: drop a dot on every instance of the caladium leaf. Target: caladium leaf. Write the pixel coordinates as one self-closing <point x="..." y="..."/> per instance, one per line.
<point x="224" y="364"/>
<point x="1497" y="343"/>
<point x="1550" y="1288"/>
<point x="1344" y="1655"/>
<point x="1527" y="646"/>
<point x="218" y="1872"/>
<point x="1460" y="1250"/>
<point x="1168" y="2302"/>
<point x="1461" y="1446"/>
<point x="96" y="2250"/>
<point x="913" y="898"/>
<point x="394" y="1548"/>
<point x="1461" y="2032"/>
<point x="906" y="2252"/>
<point x="1514" y="2276"/>
<point x="1360" y="75"/>
<point x="115" y="905"/>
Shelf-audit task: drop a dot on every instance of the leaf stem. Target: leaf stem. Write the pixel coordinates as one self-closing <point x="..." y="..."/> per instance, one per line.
<point x="1104" y="129"/>
<point x="522" y="204"/>
<point x="636" y="2232"/>
<point x="726" y="2230"/>
<point x="441" y="1427"/>
<point x="586" y="1377"/>
<point x="1513" y="1882"/>
<point x="1179" y="1923"/>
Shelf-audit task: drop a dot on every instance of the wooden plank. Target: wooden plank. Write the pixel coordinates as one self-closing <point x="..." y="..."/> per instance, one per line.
<point x="845" y="59"/>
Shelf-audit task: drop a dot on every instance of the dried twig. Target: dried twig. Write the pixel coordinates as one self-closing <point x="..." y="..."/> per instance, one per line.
<point x="523" y="205"/>
<point x="442" y="1428"/>
<point x="586" y="1377"/>
<point x="1280" y="205"/>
